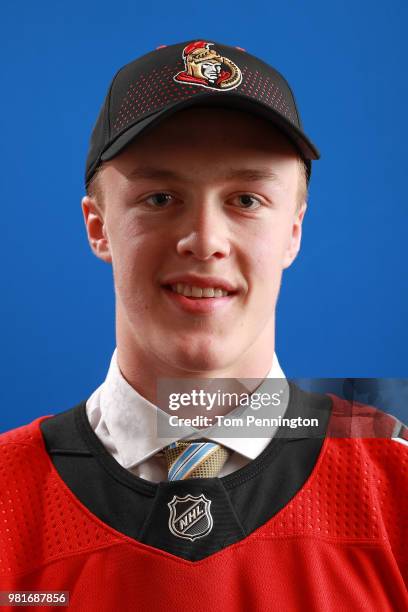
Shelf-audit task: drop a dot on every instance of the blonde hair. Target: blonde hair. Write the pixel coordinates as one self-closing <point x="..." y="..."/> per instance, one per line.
<point x="302" y="192"/>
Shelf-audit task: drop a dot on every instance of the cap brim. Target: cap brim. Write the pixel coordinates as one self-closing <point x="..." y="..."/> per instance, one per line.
<point x="228" y="100"/>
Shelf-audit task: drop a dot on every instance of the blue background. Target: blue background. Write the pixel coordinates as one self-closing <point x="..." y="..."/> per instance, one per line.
<point x="343" y="304"/>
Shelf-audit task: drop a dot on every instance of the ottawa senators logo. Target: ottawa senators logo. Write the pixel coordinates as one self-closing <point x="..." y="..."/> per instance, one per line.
<point x="205" y="67"/>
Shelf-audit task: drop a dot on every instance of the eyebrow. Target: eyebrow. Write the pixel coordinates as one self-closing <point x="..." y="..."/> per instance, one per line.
<point x="246" y="174"/>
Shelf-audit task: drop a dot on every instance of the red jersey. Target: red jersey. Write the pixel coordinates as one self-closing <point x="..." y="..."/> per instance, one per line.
<point x="314" y="523"/>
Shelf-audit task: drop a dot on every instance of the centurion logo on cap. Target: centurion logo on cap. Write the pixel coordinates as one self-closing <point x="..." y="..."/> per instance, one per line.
<point x="193" y="73"/>
<point x="205" y="67"/>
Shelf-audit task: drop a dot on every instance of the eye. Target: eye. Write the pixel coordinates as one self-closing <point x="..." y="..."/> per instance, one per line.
<point x="247" y="201"/>
<point x="159" y="200"/>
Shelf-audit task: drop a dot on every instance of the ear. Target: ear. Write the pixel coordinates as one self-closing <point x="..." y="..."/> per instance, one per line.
<point x="295" y="238"/>
<point x="95" y="229"/>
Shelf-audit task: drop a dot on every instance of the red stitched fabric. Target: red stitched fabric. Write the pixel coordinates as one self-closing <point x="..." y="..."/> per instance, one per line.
<point x="340" y="543"/>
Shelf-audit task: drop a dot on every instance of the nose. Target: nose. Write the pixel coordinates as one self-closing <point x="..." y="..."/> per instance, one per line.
<point x="204" y="233"/>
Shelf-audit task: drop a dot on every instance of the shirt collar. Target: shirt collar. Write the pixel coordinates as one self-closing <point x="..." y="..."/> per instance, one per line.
<point x="132" y="421"/>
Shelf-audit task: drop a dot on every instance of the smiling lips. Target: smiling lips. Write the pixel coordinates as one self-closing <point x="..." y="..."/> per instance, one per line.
<point x="199" y="295"/>
<point x="198" y="292"/>
<point x="197" y="287"/>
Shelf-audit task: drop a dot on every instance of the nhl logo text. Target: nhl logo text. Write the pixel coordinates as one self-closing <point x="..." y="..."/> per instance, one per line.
<point x="190" y="517"/>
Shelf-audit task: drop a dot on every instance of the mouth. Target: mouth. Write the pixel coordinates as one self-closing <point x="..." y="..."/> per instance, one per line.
<point x="193" y="292"/>
<point x="198" y="301"/>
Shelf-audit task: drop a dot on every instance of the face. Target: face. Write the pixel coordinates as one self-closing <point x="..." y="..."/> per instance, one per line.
<point x="204" y="204"/>
<point x="211" y="71"/>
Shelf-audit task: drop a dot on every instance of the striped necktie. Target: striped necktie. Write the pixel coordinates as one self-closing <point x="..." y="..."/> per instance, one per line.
<point x="198" y="459"/>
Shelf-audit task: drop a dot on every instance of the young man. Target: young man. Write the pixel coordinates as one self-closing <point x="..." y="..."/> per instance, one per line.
<point x="196" y="193"/>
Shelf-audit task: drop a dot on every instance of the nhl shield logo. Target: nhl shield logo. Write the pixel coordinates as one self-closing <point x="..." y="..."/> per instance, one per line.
<point x="190" y="517"/>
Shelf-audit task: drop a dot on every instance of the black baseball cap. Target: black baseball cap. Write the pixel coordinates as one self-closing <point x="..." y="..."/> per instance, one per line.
<point x="193" y="73"/>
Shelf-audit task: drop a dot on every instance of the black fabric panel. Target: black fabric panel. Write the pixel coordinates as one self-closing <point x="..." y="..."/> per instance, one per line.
<point x="240" y="502"/>
<point x="116" y="502"/>
<point x="224" y="530"/>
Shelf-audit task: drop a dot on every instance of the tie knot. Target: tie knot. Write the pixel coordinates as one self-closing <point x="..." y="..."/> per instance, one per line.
<point x="198" y="459"/>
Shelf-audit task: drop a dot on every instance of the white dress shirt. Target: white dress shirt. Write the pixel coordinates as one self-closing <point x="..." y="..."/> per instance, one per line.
<point x="127" y="423"/>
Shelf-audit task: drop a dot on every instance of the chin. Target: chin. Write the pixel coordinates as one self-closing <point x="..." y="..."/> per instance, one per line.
<point x="204" y="357"/>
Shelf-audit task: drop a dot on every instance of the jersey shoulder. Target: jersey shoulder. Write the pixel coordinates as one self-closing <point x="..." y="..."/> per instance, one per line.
<point x="41" y="519"/>
<point x="378" y="444"/>
<point x="26" y="434"/>
<point x="21" y="449"/>
<point x="351" y="419"/>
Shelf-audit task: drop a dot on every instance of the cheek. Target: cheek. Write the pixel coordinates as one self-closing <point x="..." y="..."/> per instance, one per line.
<point x="136" y="257"/>
<point x="267" y="250"/>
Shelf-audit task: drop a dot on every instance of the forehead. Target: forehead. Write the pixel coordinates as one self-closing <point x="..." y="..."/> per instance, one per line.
<point x="201" y="147"/>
